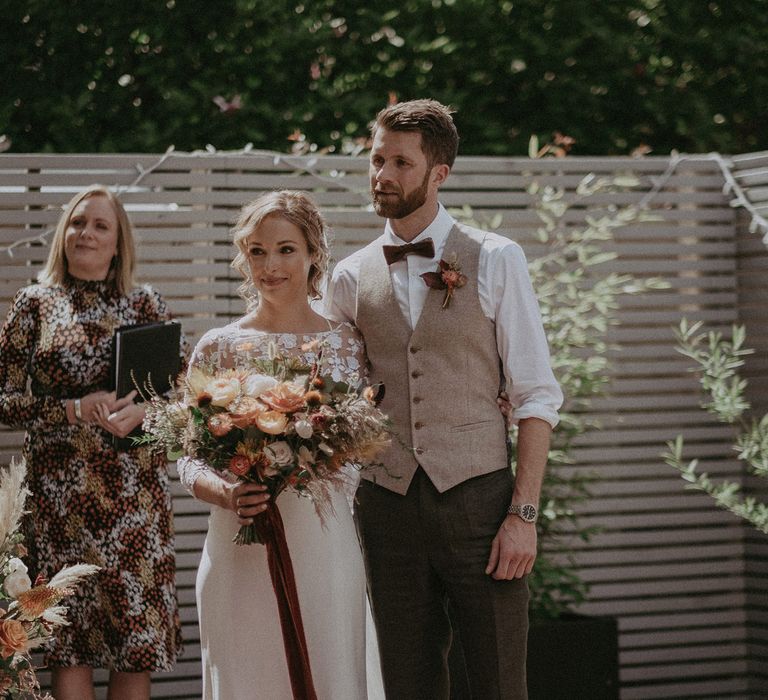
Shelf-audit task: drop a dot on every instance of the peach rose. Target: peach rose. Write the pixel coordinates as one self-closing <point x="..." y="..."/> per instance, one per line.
<point x="286" y="397"/>
<point x="13" y="637"/>
<point x="220" y="424"/>
<point x="245" y="411"/>
<point x="272" y="422"/>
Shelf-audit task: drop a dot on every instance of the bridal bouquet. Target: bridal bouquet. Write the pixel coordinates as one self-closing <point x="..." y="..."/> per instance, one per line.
<point x="29" y="614"/>
<point x="280" y="422"/>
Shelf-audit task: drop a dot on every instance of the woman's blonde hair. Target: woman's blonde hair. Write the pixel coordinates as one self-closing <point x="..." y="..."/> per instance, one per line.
<point x="120" y="273"/>
<point x="302" y="212"/>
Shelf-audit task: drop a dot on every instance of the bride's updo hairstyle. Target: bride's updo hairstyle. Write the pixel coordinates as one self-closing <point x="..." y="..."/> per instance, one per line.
<point x="302" y="212"/>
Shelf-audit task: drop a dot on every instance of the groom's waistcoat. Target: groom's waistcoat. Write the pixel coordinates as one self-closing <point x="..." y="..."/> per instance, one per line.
<point x="441" y="379"/>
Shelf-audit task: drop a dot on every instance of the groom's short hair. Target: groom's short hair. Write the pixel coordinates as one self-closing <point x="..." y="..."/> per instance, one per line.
<point x="439" y="137"/>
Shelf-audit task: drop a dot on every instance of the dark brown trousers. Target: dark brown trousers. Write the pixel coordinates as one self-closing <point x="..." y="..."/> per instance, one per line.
<point x="424" y="550"/>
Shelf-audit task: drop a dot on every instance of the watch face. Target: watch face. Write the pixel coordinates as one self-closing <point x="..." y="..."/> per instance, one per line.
<point x="528" y="512"/>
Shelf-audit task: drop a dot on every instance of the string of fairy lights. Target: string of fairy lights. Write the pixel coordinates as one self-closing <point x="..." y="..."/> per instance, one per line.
<point x="309" y="165"/>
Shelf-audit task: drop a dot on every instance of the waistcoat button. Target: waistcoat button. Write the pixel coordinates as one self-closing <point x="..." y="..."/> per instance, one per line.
<point x="415" y="374"/>
<point x="418" y="425"/>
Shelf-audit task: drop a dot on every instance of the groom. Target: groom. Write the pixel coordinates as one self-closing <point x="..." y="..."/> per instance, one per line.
<point x="443" y="520"/>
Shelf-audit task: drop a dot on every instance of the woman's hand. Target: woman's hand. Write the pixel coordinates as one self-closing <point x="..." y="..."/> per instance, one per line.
<point x="246" y="500"/>
<point x="88" y="404"/>
<point x="119" y="416"/>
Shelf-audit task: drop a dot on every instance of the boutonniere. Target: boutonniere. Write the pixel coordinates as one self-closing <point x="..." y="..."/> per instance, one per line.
<point x="447" y="277"/>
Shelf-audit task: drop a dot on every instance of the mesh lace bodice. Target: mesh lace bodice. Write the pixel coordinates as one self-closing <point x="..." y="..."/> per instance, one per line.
<point x="233" y="347"/>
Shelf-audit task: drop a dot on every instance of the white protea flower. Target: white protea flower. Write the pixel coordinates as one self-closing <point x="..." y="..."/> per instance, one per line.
<point x="13" y="494"/>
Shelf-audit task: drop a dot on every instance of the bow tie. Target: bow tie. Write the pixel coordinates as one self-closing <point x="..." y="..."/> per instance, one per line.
<point x="393" y="253"/>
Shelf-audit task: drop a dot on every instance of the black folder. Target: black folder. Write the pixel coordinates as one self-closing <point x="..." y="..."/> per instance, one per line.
<point x="144" y="357"/>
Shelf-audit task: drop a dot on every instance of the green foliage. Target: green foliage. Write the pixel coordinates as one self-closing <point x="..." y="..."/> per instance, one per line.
<point x="579" y="303"/>
<point x="142" y="75"/>
<point x="718" y="361"/>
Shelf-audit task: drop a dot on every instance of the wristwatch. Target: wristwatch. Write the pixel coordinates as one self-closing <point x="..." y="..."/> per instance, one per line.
<point x="525" y="511"/>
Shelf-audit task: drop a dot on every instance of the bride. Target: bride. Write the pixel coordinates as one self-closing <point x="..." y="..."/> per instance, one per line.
<point x="282" y="255"/>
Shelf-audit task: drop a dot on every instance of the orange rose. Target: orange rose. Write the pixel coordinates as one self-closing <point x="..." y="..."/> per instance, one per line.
<point x="13" y="637"/>
<point x="220" y="424"/>
<point x="272" y="422"/>
<point x="245" y="411"/>
<point x="239" y="465"/>
<point x="286" y="397"/>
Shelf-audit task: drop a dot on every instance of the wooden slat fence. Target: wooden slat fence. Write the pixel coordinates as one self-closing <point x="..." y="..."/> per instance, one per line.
<point x="683" y="579"/>
<point x="751" y="172"/>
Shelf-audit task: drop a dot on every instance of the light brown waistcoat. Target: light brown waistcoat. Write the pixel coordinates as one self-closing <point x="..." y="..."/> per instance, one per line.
<point x="441" y="379"/>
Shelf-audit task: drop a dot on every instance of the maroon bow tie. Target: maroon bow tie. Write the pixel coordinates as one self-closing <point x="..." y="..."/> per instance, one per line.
<point x="393" y="253"/>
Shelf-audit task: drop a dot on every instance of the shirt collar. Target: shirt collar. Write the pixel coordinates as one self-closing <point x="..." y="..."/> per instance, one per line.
<point x="438" y="231"/>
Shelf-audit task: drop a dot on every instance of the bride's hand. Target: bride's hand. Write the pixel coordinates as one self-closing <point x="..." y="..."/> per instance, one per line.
<point x="246" y="500"/>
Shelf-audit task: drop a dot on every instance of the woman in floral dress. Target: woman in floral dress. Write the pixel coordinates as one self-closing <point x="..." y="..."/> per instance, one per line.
<point x="90" y="503"/>
<point x="282" y="254"/>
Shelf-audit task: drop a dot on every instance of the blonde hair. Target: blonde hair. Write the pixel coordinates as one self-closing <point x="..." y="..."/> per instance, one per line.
<point x="302" y="212"/>
<point x="120" y="274"/>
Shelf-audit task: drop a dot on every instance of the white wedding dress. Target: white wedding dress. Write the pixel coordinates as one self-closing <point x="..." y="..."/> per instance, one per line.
<point x="240" y="636"/>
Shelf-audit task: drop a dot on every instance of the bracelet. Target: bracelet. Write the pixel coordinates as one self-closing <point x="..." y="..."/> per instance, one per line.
<point x="78" y="410"/>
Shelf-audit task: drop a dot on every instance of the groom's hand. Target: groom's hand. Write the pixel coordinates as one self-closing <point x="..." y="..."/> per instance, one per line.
<point x="513" y="550"/>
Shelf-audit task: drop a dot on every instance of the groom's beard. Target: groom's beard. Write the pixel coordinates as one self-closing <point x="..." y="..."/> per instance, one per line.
<point x="400" y="207"/>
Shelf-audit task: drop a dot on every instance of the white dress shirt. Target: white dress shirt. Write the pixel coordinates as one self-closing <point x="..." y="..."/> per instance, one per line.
<point x="506" y="298"/>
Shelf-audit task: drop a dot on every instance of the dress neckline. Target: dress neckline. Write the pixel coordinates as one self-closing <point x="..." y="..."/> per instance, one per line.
<point x="103" y="287"/>
<point x="257" y="331"/>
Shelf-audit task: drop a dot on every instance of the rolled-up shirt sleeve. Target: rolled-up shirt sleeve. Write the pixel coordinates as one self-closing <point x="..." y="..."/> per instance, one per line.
<point x="341" y="293"/>
<point x="507" y="297"/>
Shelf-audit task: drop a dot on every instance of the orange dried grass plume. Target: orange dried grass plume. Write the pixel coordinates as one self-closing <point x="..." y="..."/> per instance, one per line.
<point x="34" y="602"/>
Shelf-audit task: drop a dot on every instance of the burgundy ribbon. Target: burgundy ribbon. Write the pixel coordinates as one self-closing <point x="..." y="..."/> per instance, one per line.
<point x="269" y="526"/>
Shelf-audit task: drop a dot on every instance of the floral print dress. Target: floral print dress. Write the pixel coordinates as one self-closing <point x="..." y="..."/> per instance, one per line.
<point x="89" y="503"/>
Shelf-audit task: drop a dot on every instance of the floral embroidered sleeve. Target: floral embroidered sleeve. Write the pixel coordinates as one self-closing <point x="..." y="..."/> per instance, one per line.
<point x="348" y="361"/>
<point x="18" y="407"/>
